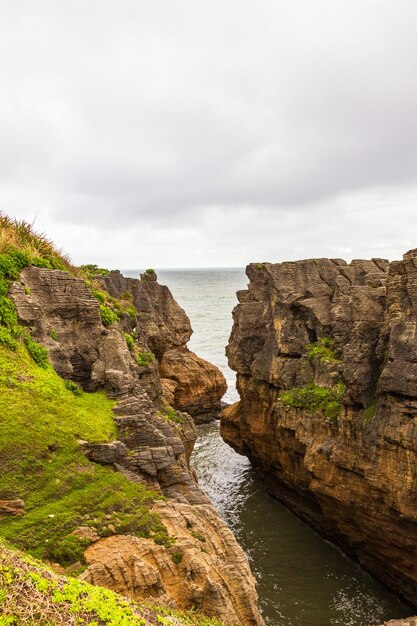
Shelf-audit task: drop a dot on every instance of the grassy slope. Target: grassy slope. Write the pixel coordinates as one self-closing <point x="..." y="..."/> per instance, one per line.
<point x="41" y="462"/>
<point x="31" y="594"/>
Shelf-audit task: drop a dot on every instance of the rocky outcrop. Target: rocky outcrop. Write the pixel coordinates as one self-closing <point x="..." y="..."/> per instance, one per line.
<point x="326" y="359"/>
<point x="189" y="382"/>
<point x="152" y="447"/>
<point x="204" y="569"/>
<point x="12" y="507"/>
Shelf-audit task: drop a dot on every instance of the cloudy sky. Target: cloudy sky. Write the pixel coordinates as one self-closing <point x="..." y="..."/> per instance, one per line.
<point x="192" y="133"/>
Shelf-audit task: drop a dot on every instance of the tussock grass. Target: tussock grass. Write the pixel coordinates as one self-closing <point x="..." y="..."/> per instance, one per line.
<point x="19" y="234"/>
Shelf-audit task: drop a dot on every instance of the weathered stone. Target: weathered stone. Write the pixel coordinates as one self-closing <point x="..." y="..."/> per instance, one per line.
<point x="353" y="477"/>
<point x="86" y="532"/>
<point x="198" y="385"/>
<point x="12" y="507"/>
<point x="205" y="555"/>
<point x="150" y="449"/>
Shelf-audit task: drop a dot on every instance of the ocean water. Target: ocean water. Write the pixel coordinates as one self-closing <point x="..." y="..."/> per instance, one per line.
<point x="302" y="579"/>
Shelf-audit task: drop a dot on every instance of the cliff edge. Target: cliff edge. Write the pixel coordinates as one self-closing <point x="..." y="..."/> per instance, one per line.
<point x="325" y="355"/>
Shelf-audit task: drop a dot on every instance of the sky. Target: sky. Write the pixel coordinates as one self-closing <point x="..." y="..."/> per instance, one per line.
<point x="211" y="133"/>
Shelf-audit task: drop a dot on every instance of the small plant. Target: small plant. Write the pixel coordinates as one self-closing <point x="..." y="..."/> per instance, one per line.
<point x="127" y="295"/>
<point x="323" y="349"/>
<point x="130" y="341"/>
<point x="108" y="315"/>
<point x="91" y="270"/>
<point x="144" y="359"/>
<point x="6" y="339"/>
<point x="53" y="335"/>
<point x="150" y="270"/>
<point x="260" y="266"/>
<point x="38" y="353"/>
<point x="197" y="535"/>
<point x="27" y="291"/>
<point x="177" y="557"/>
<point x="314" y="398"/>
<point x="169" y="413"/>
<point x="72" y="386"/>
<point x="99" y="295"/>
<point x="369" y="412"/>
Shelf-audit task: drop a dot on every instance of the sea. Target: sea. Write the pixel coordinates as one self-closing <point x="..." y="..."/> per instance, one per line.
<point x="302" y="579"/>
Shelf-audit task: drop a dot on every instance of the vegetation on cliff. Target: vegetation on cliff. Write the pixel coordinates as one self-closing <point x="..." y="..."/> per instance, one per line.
<point x="30" y="593"/>
<point x="42" y="462"/>
<point x="314" y="398"/>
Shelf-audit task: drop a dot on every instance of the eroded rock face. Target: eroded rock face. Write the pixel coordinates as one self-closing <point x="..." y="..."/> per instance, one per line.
<point x="190" y="383"/>
<point x="61" y="314"/>
<point x="205" y="568"/>
<point x="349" y="468"/>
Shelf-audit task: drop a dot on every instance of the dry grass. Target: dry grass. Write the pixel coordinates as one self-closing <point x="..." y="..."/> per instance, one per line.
<point x="21" y="235"/>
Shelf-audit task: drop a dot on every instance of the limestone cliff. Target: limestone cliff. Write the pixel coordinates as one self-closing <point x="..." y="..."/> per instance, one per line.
<point x="204" y="567"/>
<point x="325" y="355"/>
<point x="189" y="382"/>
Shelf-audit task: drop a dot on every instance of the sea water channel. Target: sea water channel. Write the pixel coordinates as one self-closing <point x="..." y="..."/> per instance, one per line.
<point x="302" y="579"/>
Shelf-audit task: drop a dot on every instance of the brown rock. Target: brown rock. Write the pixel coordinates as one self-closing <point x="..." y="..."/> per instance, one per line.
<point x="198" y="385"/>
<point x="218" y="579"/>
<point x="12" y="507"/>
<point x="86" y="532"/>
<point x="353" y="477"/>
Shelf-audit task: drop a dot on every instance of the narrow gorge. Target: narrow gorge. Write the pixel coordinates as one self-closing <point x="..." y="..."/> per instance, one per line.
<point x="325" y="355"/>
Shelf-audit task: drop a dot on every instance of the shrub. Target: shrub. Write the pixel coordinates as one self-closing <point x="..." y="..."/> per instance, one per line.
<point x="108" y="315"/>
<point x="93" y="270"/>
<point x="99" y="295"/>
<point x="53" y="334"/>
<point x="177" y="557"/>
<point x="72" y="386"/>
<point x="38" y="353"/>
<point x="6" y="339"/>
<point x="150" y="270"/>
<point x="322" y="349"/>
<point x="314" y="398"/>
<point x="144" y="359"/>
<point x="130" y="341"/>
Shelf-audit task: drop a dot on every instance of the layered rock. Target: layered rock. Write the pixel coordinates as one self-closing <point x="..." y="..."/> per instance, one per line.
<point x="150" y="448"/>
<point x="326" y="359"/>
<point x="189" y="382"/>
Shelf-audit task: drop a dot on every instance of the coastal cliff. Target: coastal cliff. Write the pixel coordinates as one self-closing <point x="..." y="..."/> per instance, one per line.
<point x="325" y="356"/>
<point x="95" y="473"/>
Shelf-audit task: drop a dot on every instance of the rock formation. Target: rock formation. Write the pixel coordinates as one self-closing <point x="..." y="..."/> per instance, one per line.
<point x="205" y="567"/>
<point x="325" y="355"/>
<point x="189" y="382"/>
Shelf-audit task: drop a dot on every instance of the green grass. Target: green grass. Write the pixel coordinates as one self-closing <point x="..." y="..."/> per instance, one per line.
<point x="42" y="462"/>
<point x="322" y="349"/>
<point x="314" y="398"/>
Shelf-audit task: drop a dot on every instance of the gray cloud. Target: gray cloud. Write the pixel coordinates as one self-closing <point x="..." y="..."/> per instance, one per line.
<point x="220" y="131"/>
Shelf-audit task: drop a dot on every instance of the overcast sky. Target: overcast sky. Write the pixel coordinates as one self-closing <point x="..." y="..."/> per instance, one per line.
<point x="191" y="133"/>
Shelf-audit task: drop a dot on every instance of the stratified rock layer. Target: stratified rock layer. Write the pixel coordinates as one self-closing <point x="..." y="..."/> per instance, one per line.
<point x="352" y="474"/>
<point x="205" y="567"/>
<point x="189" y="382"/>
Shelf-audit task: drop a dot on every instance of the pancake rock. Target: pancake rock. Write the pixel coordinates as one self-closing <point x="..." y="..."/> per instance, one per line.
<point x="205" y="567"/>
<point x="326" y="362"/>
<point x="189" y="382"/>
